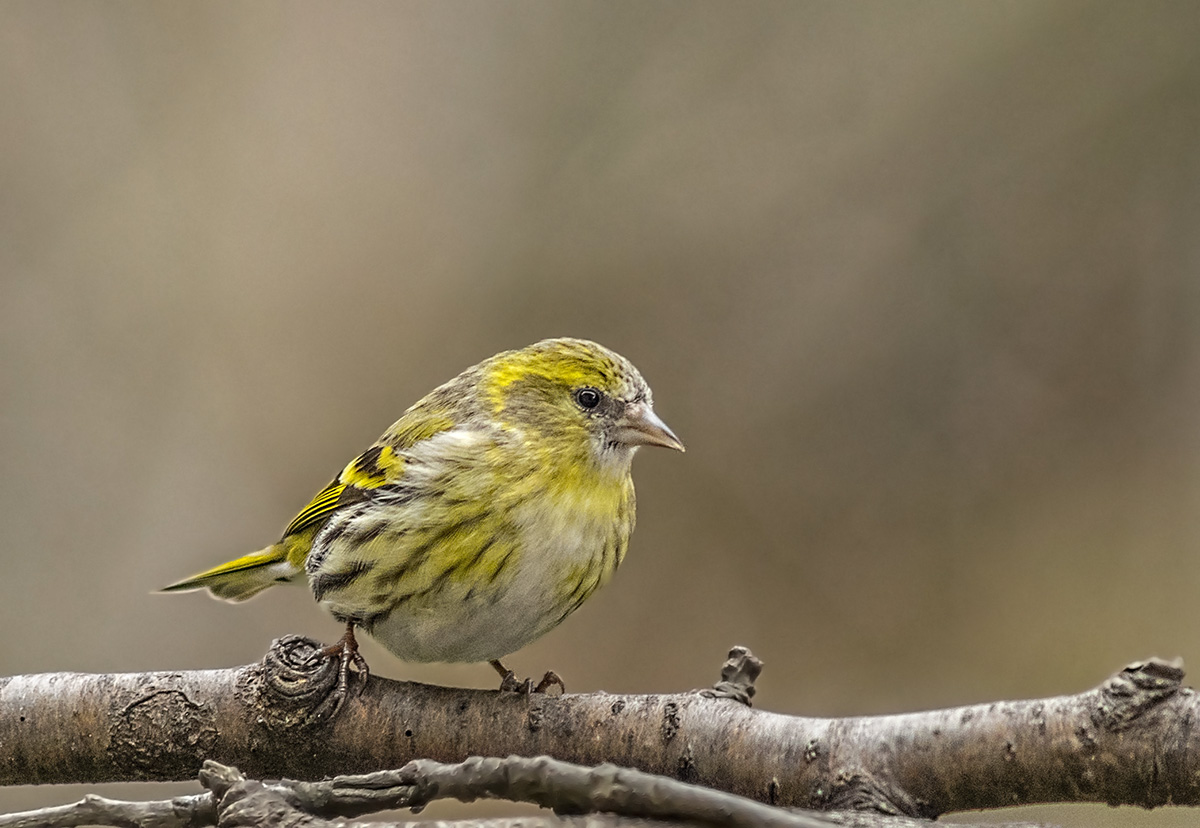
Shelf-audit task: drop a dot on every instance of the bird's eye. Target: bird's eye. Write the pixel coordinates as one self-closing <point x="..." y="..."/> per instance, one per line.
<point x="587" y="398"/>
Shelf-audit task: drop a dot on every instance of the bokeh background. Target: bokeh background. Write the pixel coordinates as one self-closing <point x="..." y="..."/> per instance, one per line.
<point x="917" y="282"/>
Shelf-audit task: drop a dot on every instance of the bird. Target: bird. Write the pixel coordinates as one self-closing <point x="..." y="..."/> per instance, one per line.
<point x="489" y="512"/>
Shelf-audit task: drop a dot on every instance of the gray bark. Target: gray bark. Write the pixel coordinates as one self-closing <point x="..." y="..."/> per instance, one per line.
<point x="1129" y="741"/>
<point x="601" y="797"/>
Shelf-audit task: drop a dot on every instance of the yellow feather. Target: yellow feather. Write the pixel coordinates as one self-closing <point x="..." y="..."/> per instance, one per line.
<point x="375" y="467"/>
<point x="241" y="578"/>
<point x="317" y="509"/>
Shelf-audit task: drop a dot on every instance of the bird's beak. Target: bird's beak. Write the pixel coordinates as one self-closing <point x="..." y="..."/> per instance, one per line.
<point x="640" y="426"/>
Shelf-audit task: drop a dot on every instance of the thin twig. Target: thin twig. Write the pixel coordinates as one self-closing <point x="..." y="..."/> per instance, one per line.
<point x="181" y="812"/>
<point x="562" y="786"/>
<point x="603" y="797"/>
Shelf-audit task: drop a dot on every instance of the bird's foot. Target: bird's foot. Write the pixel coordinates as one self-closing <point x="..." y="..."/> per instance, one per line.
<point x="549" y="680"/>
<point x="509" y="683"/>
<point x="346" y="651"/>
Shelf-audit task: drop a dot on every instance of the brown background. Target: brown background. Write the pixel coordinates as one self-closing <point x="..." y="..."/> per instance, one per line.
<point x="917" y="282"/>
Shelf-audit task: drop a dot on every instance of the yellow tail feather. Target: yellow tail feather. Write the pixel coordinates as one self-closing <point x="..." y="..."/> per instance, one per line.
<point x="243" y="578"/>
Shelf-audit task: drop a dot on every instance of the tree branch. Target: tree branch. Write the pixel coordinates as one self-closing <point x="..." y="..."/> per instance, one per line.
<point x="1129" y="741"/>
<point x="609" y="795"/>
<point x="181" y="812"/>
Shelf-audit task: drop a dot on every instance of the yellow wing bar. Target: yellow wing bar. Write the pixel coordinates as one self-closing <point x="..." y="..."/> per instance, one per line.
<point x="378" y="466"/>
<point x="319" y="508"/>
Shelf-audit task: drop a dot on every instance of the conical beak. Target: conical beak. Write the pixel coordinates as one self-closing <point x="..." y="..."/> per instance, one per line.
<point x="641" y="427"/>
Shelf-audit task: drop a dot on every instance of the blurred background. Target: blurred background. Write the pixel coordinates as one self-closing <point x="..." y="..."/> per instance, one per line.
<point x="918" y="283"/>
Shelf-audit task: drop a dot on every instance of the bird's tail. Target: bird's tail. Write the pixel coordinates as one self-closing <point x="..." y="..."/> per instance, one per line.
<point x="244" y="577"/>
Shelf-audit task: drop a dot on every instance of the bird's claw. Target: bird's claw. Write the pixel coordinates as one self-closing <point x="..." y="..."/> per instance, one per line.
<point x="346" y="652"/>
<point x="549" y="680"/>
<point x="509" y="683"/>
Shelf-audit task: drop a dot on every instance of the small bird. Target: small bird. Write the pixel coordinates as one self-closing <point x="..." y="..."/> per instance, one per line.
<point x="488" y="513"/>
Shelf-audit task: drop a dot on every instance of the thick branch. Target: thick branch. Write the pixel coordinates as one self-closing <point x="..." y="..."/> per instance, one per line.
<point x="1129" y="741"/>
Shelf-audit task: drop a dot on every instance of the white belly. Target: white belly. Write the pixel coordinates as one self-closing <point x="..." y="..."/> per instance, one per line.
<point x="463" y="627"/>
<point x="464" y="621"/>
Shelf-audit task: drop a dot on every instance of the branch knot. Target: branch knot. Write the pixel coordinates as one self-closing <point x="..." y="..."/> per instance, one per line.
<point x="293" y="688"/>
<point x="1136" y="690"/>
<point x="738" y="674"/>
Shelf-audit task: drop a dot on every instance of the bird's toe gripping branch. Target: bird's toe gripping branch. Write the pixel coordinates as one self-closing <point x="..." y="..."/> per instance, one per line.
<point x="301" y="676"/>
<point x="509" y="683"/>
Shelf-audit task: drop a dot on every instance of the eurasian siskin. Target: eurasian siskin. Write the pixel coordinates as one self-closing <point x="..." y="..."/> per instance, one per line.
<point x="482" y="518"/>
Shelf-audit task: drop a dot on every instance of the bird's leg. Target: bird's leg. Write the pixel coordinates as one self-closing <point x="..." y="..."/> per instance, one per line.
<point x="346" y="650"/>
<point x="509" y="682"/>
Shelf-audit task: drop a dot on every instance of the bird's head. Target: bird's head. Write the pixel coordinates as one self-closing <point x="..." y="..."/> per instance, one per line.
<point x="575" y="396"/>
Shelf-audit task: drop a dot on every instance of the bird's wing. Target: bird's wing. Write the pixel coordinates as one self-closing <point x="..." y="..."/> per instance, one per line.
<point x="380" y="465"/>
<point x="444" y="526"/>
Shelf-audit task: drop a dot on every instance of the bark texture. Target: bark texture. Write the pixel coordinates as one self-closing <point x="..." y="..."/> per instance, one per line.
<point x="1129" y="741"/>
<point x="602" y="797"/>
